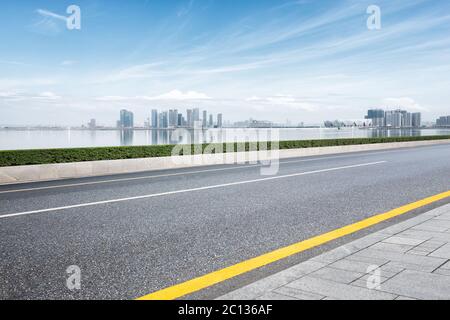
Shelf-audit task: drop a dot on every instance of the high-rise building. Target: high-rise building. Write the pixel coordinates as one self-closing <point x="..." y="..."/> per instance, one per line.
<point x="393" y="118"/>
<point x="388" y="118"/>
<point x="160" y="120"/>
<point x="375" y="113"/>
<point x="180" y="120"/>
<point x="397" y="119"/>
<point x="416" y="120"/>
<point x="211" y="121"/>
<point x="189" y="118"/>
<point x="219" y="120"/>
<point x="92" y="124"/>
<point x="407" y="120"/>
<point x="378" y="122"/>
<point x="205" y="119"/>
<point x="126" y="119"/>
<point x="154" y="120"/>
<point x="173" y="117"/>
<point x="165" y="120"/>
<point x="376" y="117"/>
<point x="443" y="121"/>
<point x="196" y="114"/>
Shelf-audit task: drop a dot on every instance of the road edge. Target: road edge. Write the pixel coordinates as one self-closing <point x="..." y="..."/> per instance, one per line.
<point x="52" y="172"/>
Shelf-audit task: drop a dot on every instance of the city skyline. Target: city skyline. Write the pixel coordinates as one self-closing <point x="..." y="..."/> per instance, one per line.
<point x="168" y="119"/>
<point x="297" y="60"/>
<point x="398" y="118"/>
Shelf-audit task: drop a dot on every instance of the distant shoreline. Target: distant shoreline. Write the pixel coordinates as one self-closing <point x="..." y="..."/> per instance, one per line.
<point x="204" y="129"/>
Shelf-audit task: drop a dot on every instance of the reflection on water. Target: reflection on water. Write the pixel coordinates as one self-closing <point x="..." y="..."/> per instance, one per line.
<point x="38" y="139"/>
<point x="126" y="137"/>
<point x="380" y="133"/>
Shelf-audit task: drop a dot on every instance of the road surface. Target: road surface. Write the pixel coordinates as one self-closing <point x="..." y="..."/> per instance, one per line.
<point x="135" y="234"/>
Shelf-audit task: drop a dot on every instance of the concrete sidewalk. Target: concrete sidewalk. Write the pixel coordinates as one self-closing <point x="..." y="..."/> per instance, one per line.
<point x="410" y="260"/>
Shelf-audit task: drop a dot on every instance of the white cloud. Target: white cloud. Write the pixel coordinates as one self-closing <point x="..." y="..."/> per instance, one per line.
<point x="179" y="95"/>
<point x="185" y="10"/>
<point x="14" y="83"/>
<point x="48" y="95"/>
<point x="405" y="103"/>
<point x="68" y="62"/>
<point x="22" y="96"/>
<point x="174" y="95"/>
<point x="46" y="13"/>
<point x="7" y="94"/>
<point x="49" y="23"/>
<point x="15" y="63"/>
<point x="140" y="71"/>
<point x="113" y="98"/>
<point x="287" y="101"/>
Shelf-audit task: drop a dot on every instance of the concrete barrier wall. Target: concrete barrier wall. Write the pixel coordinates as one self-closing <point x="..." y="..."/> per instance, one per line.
<point x="45" y="172"/>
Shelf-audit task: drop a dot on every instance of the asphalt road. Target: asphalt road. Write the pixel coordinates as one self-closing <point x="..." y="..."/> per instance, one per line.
<point x="189" y="222"/>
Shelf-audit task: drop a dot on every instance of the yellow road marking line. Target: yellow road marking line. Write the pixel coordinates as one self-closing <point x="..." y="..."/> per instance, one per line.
<point x="216" y="277"/>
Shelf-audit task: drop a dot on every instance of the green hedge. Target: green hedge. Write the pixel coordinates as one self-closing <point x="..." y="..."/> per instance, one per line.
<point x="46" y="156"/>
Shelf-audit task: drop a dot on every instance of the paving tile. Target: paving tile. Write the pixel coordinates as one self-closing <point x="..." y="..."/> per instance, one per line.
<point x="436" y="223"/>
<point x="403" y="240"/>
<point x="390" y="269"/>
<point x="441" y="271"/>
<point x="416" y="234"/>
<point x="404" y="298"/>
<point x="333" y="255"/>
<point x="274" y="281"/>
<point x="298" y="294"/>
<point x="258" y="288"/>
<point x="434" y="243"/>
<point x="414" y="262"/>
<point x="336" y="275"/>
<point x="419" y="285"/>
<point x="431" y="245"/>
<point x="303" y="268"/>
<point x="270" y="296"/>
<point x="405" y="225"/>
<point x="391" y="247"/>
<point x="338" y="290"/>
<point x="418" y="252"/>
<point x="366" y="276"/>
<point x="369" y="260"/>
<point x="362" y="283"/>
<point x="442" y="252"/>
<point x="445" y="216"/>
<point x="432" y="228"/>
<point x="439" y="211"/>
<point x="352" y="265"/>
<point x="425" y="250"/>
<point x="445" y="266"/>
<point x="369" y="240"/>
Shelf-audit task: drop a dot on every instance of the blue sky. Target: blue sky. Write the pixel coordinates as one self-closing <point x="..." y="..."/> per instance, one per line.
<point x="301" y="60"/>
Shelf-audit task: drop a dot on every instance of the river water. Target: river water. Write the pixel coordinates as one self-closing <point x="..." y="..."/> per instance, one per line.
<point x="38" y="139"/>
